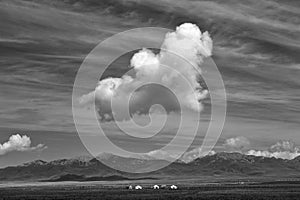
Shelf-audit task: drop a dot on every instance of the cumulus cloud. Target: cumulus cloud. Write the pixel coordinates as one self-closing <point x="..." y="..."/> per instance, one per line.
<point x="188" y="42"/>
<point x="239" y="143"/>
<point x="19" y="143"/>
<point x="282" y="149"/>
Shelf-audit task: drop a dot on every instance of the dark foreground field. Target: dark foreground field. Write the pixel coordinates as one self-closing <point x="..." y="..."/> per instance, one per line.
<point x="255" y="191"/>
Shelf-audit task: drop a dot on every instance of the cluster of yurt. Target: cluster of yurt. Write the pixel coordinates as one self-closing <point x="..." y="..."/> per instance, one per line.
<point x="155" y="187"/>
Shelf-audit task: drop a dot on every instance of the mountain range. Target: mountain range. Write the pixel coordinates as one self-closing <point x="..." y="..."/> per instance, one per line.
<point x="87" y="168"/>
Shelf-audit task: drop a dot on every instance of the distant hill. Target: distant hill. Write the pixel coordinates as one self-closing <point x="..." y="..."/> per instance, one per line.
<point x="92" y="169"/>
<point x="82" y="178"/>
<point x="237" y="163"/>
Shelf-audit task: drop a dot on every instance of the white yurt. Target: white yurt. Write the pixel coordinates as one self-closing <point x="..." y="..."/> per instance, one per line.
<point x="138" y="187"/>
<point x="174" y="187"/>
<point x="155" y="187"/>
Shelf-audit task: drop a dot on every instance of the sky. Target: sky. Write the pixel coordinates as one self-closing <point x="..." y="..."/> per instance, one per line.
<point x="43" y="43"/>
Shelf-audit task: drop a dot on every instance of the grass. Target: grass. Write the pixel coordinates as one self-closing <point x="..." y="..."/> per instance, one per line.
<point x="272" y="191"/>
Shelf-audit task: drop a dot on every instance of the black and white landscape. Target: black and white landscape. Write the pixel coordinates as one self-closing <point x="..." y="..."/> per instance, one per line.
<point x="254" y="44"/>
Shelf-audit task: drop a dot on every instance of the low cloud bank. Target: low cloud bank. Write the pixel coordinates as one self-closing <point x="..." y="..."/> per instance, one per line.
<point x="186" y="157"/>
<point x="237" y="143"/>
<point x="180" y="76"/>
<point x="160" y="155"/>
<point x="19" y="143"/>
<point x="282" y="149"/>
<point x="194" y="154"/>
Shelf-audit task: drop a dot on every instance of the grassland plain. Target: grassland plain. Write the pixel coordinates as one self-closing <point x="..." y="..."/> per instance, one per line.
<point x="220" y="191"/>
